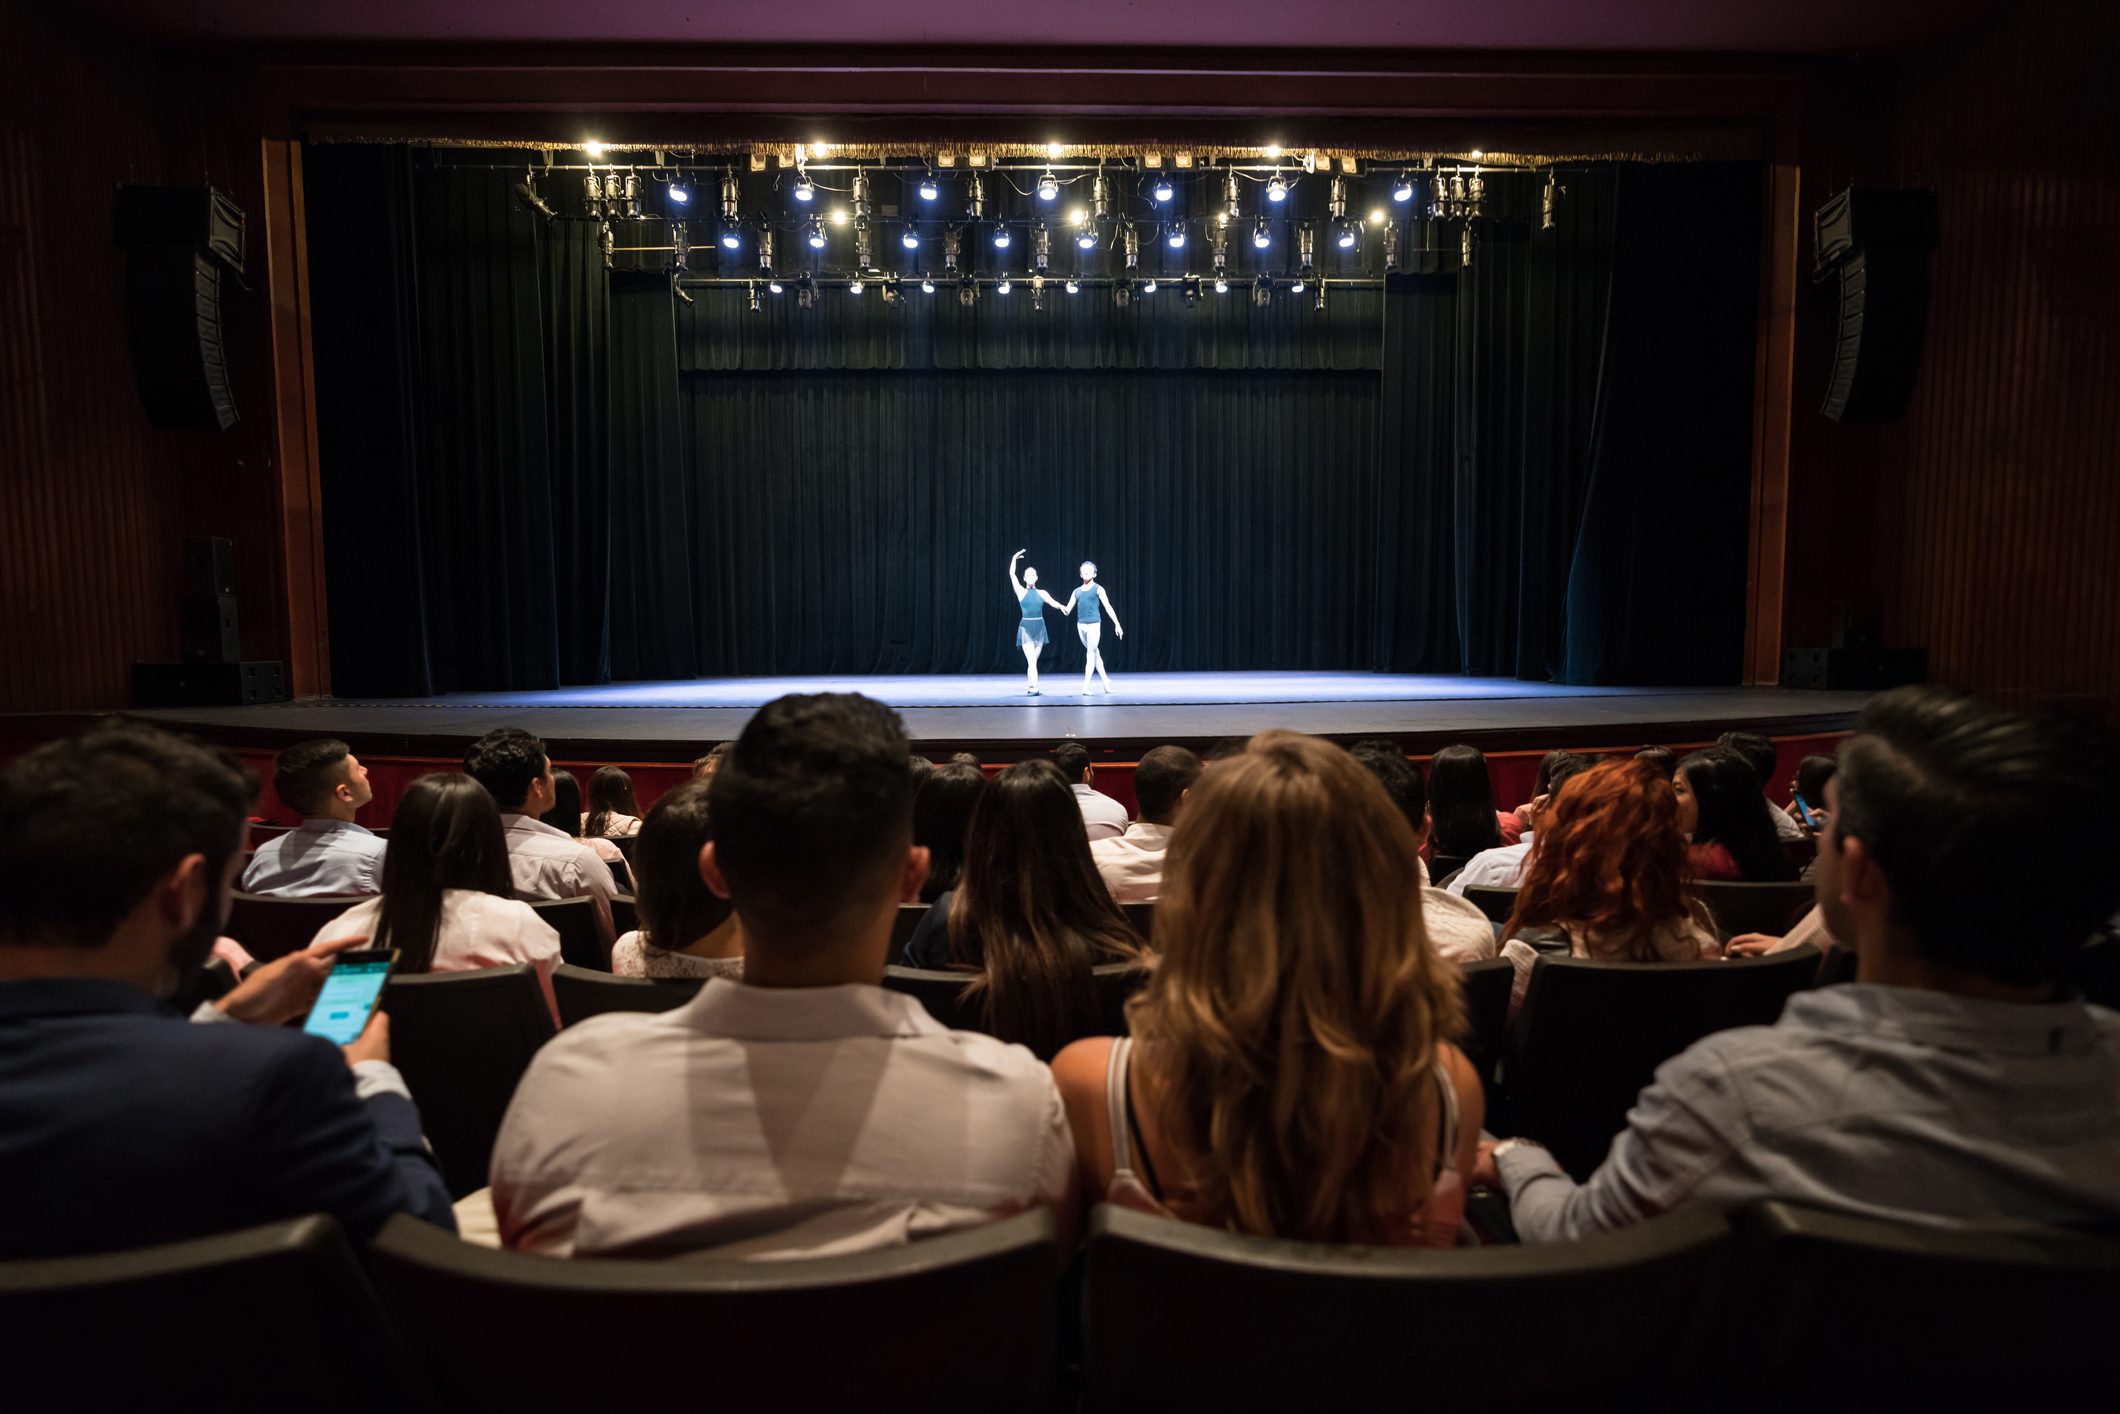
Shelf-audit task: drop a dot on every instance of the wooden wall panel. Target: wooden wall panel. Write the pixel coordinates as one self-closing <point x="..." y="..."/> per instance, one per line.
<point x="1987" y="523"/>
<point x="93" y="503"/>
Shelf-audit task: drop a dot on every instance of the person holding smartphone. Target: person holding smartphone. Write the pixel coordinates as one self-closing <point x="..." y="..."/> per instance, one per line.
<point x="123" y="1122"/>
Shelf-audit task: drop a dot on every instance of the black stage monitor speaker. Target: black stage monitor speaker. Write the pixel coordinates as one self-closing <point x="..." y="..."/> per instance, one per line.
<point x="176" y="239"/>
<point x="209" y="564"/>
<point x="1877" y="243"/>
<point x="208" y="684"/>
<point x="1858" y="669"/>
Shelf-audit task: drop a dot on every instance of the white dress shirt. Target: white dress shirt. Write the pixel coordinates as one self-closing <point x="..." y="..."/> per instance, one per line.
<point x="320" y="858"/>
<point x="1501" y="868"/>
<point x="773" y="1122"/>
<point x="1131" y="862"/>
<point x="477" y="930"/>
<point x="1456" y="928"/>
<point x="1104" y="817"/>
<point x="547" y="863"/>
<point x="1785" y="826"/>
<point x="1889" y="1102"/>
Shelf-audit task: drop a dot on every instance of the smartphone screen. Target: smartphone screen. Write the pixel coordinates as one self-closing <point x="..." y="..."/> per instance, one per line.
<point x="349" y="996"/>
<point x="1803" y="811"/>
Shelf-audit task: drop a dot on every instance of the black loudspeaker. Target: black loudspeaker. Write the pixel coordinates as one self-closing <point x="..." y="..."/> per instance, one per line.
<point x="176" y="239"/>
<point x="1878" y="244"/>
<point x="209" y="564"/>
<point x="208" y="684"/>
<point x="207" y="629"/>
<point x="1858" y="669"/>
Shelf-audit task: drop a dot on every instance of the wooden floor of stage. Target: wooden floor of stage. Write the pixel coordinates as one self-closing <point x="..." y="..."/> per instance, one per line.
<point x="992" y="714"/>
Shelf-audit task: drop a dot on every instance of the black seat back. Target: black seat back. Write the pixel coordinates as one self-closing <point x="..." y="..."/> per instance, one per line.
<point x="1142" y="916"/>
<point x="582" y="994"/>
<point x="902" y="928"/>
<point x="824" y="1333"/>
<point x="1180" y="1316"/>
<point x="462" y="1041"/>
<point x="625" y="915"/>
<point x="942" y="993"/>
<point x="1753" y="908"/>
<point x="1116" y="984"/>
<point x="1497" y="904"/>
<point x="574" y="919"/>
<point x="1846" y="1312"/>
<point x="153" y="1328"/>
<point x="1591" y="1034"/>
<point x="1487" y="985"/>
<point x="274" y="927"/>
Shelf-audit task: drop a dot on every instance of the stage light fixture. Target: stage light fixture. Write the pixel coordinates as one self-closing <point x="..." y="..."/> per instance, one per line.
<point x="952" y="240"/>
<point x="1190" y="289"/>
<point x="1221" y="284"/>
<point x="1402" y="189"/>
<point x="1038" y="292"/>
<point x="968" y="293"/>
<point x="975" y="197"/>
<point x="678" y="192"/>
<point x="927" y="284"/>
<point x="731" y="237"/>
<point x="1262" y="291"/>
<point x="854" y="286"/>
<point x="1130" y="244"/>
<point x="805" y="189"/>
<point x="1041" y="246"/>
<point x="1377" y="217"/>
<point x="861" y="192"/>
<point x="911" y="239"/>
<point x="1300" y="282"/>
<point x="1272" y="151"/>
<point x="1086" y="239"/>
<point x="1148" y="286"/>
<point x="1076" y="216"/>
<point x="756" y="305"/>
<point x="816" y="234"/>
<point x="1001" y="237"/>
<point x="929" y="187"/>
<point x="1100" y="196"/>
<point x="526" y="190"/>
<point x="1260" y="236"/>
<point x="1548" y="199"/>
<point x="1175" y="239"/>
<point x="1122" y="293"/>
<point x="765" y="253"/>
<point x="864" y="257"/>
<point x="1320" y="306"/>
<point x="1346" y="234"/>
<point x="775" y="286"/>
<point x="1276" y="189"/>
<point x="1162" y="190"/>
<point x="731" y="195"/>
<point x="633" y="195"/>
<point x="1003" y="285"/>
<point x="607" y="242"/>
<point x="680" y="246"/>
<point x="1048" y="187"/>
<point x="1231" y="206"/>
<point x="839" y="216"/>
<point x="806" y="291"/>
<point x="1074" y="287"/>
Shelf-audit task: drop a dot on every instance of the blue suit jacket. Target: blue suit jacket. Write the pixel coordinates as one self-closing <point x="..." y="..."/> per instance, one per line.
<point x="122" y="1124"/>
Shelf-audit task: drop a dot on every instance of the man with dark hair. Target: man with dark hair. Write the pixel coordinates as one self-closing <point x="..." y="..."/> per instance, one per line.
<point x="803" y="1110"/>
<point x="544" y="862"/>
<point x="1955" y="1080"/>
<point x="1456" y="929"/>
<point x="1758" y="753"/>
<point x="121" y="1124"/>
<point x="1131" y="862"/>
<point x="1103" y="817"/>
<point x="328" y="853"/>
<point x="704" y="767"/>
<point x="1503" y="867"/>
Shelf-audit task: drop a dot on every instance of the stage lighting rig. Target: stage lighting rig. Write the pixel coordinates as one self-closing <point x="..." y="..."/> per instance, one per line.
<point x="1001" y="235"/>
<point x="806" y="290"/>
<point x="1321" y="297"/>
<point x="1189" y="287"/>
<point x="1074" y="287"/>
<point x="607" y="242"/>
<point x="1122" y="294"/>
<point x="1232" y="207"/>
<point x="731" y="236"/>
<point x="1130" y="243"/>
<point x="1148" y="286"/>
<point x="1161" y="189"/>
<point x="967" y="293"/>
<point x="1048" y="187"/>
<point x="854" y="286"/>
<point x="1262" y="291"/>
<point x="757" y="307"/>
<point x="765" y="253"/>
<point x="680" y="246"/>
<point x="1100" y="196"/>
<point x="526" y="191"/>
<point x="1003" y="285"/>
<point x="911" y="239"/>
<point x="1174" y="237"/>
<point x="952" y="242"/>
<point x="805" y="189"/>
<point x="1041" y="246"/>
<point x="1343" y="229"/>
<point x="861" y="194"/>
<point x="1276" y="189"/>
<point x="1261" y="237"/>
<point x="863" y="254"/>
<point x="927" y="284"/>
<point x="815" y="234"/>
<point x="1476" y="195"/>
<point x="975" y="198"/>
<point x="929" y="187"/>
<point x="677" y="193"/>
<point x="1221" y="284"/>
<point x="1086" y="238"/>
<point x="1549" y="199"/>
<point x="1038" y="293"/>
<point x="1402" y="189"/>
<point x="632" y="195"/>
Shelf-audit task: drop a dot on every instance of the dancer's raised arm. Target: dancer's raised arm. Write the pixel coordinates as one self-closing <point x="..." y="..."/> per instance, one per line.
<point x="1013" y="582"/>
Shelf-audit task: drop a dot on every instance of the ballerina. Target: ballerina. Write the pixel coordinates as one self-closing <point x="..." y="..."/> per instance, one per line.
<point x="1089" y="623"/>
<point x="1030" y="634"/>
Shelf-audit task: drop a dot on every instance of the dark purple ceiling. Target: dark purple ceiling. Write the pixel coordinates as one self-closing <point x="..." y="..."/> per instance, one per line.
<point x="1741" y="26"/>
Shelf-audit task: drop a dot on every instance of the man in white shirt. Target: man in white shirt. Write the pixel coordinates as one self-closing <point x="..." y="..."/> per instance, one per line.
<point x="545" y="863"/>
<point x="804" y="1110"/>
<point x="1131" y="862"/>
<point x="1103" y="817"/>
<point x="1503" y="867"/>
<point x="1758" y="753"/>
<point x="329" y="853"/>
<point x="1456" y="929"/>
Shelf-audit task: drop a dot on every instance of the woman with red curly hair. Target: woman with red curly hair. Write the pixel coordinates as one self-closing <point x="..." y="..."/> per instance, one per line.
<point x="1608" y="877"/>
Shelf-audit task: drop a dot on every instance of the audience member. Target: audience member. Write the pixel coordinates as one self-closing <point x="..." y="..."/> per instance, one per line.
<point x="328" y="853"/>
<point x="1663" y="758"/>
<point x="1461" y="802"/>
<point x="613" y="812"/>
<point x="1103" y="817"/>
<point x="942" y="812"/>
<point x="567" y="817"/>
<point x="1456" y="929"/>
<point x="1541" y="784"/>
<point x="545" y="863"/>
<point x="965" y="758"/>
<point x="1808" y="786"/>
<point x="686" y="929"/>
<point x="1289" y="1071"/>
<point x="1503" y="868"/>
<point x="121" y="1125"/>
<point x="448" y="903"/>
<point x="1029" y="916"/>
<point x="1725" y="820"/>
<point x="1955" y="1080"/>
<point x="1132" y="863"/>
<point x="921" y="768"/>
<point x="1226" y="748"/>
<point x="919" y="1129"/>
<point x="1757" y="752"/>
<point x="1607" y="878"/>
<point x="703" y="767"/>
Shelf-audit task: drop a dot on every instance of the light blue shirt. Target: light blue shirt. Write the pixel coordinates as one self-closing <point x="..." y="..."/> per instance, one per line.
<point x="1886" y="1102"/>
<point x="322" y="857"/>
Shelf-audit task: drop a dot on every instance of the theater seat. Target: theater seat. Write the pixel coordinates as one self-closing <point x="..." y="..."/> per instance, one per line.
<point x="462" y="1041"/>
<point x="961" y="1321"/>
<point x="908" y="919"/>
<point x="266" y="1319"/>
<point x="942" y="993"/>
<point x="1116" y="984"/>
<point x="274" y="927"/>
<point x="1486" y="990"/>
<point x="1142" y="916"/>
<point x="1497" y="904"/>
<point x="1847" y="1312"/>
<point x="581" y="943"/>
<point x="1753" y="908"/>
<point x="582" y="994"/>
<point x="1180" y="1316"/>
<point x="1591" y="1034"/>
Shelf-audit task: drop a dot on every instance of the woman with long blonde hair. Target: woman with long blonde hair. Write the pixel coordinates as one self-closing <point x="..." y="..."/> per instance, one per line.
<point x="1289" y="1071"/>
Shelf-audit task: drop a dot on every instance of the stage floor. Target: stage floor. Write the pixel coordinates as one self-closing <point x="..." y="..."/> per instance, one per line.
<point x="669" y="720"/>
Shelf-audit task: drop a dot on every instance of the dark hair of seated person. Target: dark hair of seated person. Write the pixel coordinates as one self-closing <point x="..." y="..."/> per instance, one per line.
<point x="1072" y="757"/>
<point x="305" y="774"/>
<point x="1995" y="831"/>
<point x="675" y="906"/>
<point x="507" y="761"/>
<point x="1400" y="778"/>
<point x="1161" y="778"/>
<point x="1461" y="802"/>
<point x="1663" y="758"/>
<point x="566" y="812"/>
<point x="1031" y="914"/>
<point x="90" y="823"/>
<point x="610" y="793"/>
<point x="942" y="812"/>
<point x="813" y="811"/>
<point x="445" y="835"/>
<point x="1733" y="814"/>
<point x="1755" y="750"/>
<point x="1812" y="773"/>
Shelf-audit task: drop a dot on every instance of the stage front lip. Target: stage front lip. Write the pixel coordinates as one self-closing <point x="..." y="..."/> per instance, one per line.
<point x="672" y="720"/>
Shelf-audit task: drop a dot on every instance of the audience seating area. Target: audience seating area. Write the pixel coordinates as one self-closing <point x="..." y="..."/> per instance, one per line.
<point x="462" y="1040"/>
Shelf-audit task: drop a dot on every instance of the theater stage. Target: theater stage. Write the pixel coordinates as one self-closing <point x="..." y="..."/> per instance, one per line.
<point x="668" y="721"/>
